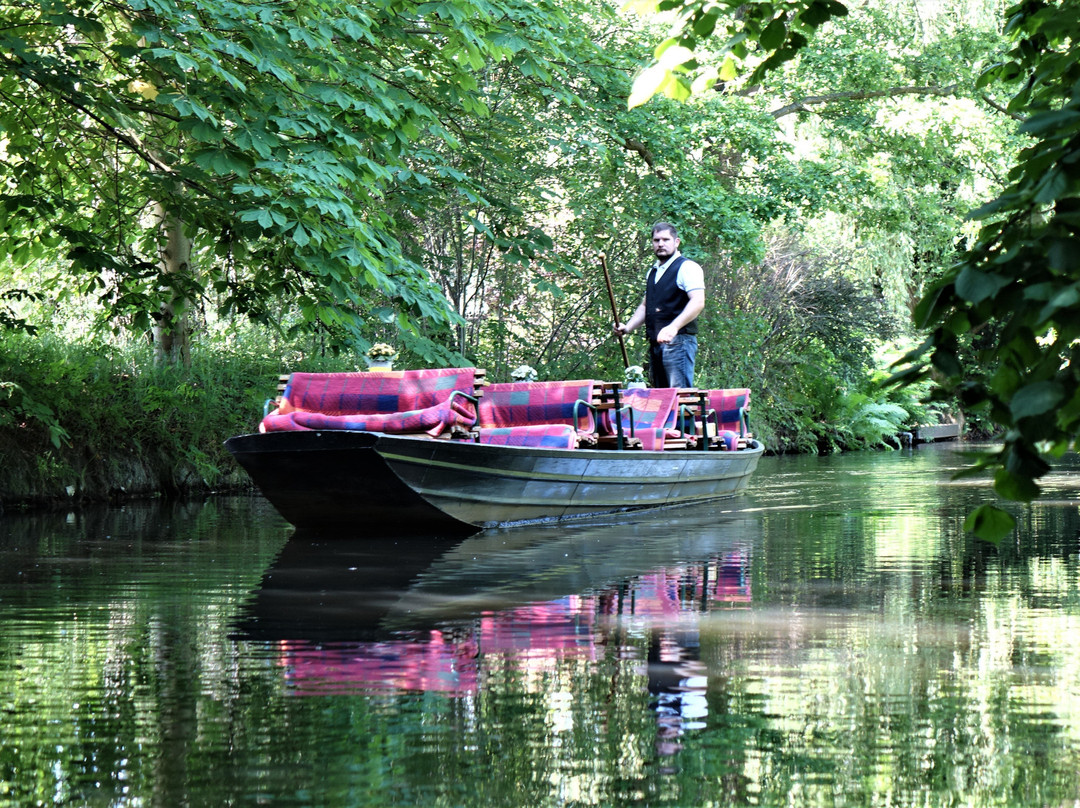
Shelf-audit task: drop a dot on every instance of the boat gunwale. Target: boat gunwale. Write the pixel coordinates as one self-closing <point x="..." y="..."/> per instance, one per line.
<point x="540" y="451"/>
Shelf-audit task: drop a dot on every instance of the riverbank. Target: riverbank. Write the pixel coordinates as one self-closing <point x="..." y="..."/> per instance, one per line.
<point x="81" y="424"/>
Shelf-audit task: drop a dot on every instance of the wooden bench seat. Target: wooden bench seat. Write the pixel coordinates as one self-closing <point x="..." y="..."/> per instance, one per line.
<point x="724" y="414"/>
<point x="644" y="418"/>
<point x="721" y="416"/>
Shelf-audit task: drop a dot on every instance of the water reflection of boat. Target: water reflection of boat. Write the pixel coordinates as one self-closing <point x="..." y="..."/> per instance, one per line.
<point x="387" y="613"/>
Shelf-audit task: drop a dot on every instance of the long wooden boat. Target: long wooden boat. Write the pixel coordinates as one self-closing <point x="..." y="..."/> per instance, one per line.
<point x="319" y="479"/>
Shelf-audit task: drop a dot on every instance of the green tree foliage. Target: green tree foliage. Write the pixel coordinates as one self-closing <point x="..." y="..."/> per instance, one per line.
<point x="800" y="333"/>
<point x="277" y="139"/>
<point x="888" y="99"/>
<point x="871" y="142"/>
<point x="772" y="32"/>
<point x="1013" y="302"/>
<point x="444" y="176"/>
<point x="1003" y="318"/>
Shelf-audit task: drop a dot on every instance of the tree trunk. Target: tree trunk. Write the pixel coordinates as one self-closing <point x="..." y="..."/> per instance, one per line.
<point x="172" y="334"/>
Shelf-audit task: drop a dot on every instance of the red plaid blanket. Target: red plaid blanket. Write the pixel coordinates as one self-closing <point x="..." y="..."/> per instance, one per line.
<point x="731" y="408"/>
<point x="534" y="403"/>
<point x="552" y="436"/>
<point x="368" y="393"/>
<point x="434" y="420"/>
<point x="395" y="401"/>
<point x="647" y="414"/>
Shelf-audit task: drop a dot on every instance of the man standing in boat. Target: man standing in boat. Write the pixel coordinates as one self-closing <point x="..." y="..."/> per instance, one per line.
<point x="674" y="297"/>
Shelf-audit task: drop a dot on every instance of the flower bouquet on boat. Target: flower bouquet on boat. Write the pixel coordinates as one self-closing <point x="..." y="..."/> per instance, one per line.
<point x="440" y="450"/>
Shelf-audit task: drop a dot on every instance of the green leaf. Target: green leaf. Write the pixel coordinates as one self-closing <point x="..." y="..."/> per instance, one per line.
<point x="1064" y="254"/>
<point x="930" y="307"/>
<point x="1053" y="185"/>
<point x="185" y="62"/>
<point x="815" y="14"/>
<point x="385" y="314"/>
<point x="1015" y="487"/>
<point x="206" y="132"/>
<point x="1036" y="399"/>
<point x="774" y="34"/>
<point x="1066" y="298"/>
<point x="975" y="286"/>
<point x="673" y="56"/>
<point x="990" y="523"/>
<point x="1023" y="460"/>
<point x="646" y="84"/>
<point x="677" y="88"/>
<point x="947" y="363"/>
<point x="706" y="23"/>
<point x="728" y="70"/>
<point x="1057" y="123"/>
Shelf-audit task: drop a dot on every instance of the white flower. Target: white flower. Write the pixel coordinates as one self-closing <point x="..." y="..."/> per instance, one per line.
<point x="523" y="373"/>
<point x="381" y="352"/>
<point x="635" y="373"/>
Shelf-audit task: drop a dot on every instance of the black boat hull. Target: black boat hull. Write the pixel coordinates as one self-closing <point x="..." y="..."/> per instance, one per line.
<point x="333" y="479"/>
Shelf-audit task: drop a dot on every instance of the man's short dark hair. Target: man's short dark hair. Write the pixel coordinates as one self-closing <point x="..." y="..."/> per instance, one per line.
<point x="665" y="226"/>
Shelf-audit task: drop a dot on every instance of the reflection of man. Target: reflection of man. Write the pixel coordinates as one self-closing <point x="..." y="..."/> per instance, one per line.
<point x="678" y="684"/>
<point x="674" y="297"/>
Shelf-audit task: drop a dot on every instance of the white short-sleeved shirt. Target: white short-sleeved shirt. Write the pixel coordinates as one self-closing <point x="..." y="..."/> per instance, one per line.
<point x="690" y="277"/>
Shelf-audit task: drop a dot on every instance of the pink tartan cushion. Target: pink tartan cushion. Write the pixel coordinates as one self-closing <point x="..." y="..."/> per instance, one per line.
<point x="550" y="436"/>
<point x="368" y="393"/>
<point x="434" y="421"/>
<point x="531" y="403"/>
<point x="406" y="401"/>
<point x="731" y="408"/>
<point x="649" y="415"/>
<point x="652" y="439"/>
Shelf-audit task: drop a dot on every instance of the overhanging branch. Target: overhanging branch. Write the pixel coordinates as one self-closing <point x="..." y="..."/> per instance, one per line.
<point x="804" y="104"/>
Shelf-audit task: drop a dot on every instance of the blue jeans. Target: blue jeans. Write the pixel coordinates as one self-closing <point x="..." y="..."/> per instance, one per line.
<point x="672" y="364"/>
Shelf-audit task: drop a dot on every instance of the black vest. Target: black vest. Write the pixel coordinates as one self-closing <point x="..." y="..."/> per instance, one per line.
<point x="664" y="301"/>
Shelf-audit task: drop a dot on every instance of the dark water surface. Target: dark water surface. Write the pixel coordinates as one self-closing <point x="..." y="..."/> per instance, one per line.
<point x="832" y="639"/>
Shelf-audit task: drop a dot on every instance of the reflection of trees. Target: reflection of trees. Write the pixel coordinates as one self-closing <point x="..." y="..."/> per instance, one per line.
<point x="816" y="666"/>
<point x="917" y="671"/>
<point x="114" y="647"/>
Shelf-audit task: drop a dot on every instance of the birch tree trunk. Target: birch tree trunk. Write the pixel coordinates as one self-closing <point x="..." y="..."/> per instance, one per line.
<point x="172" y="334"/>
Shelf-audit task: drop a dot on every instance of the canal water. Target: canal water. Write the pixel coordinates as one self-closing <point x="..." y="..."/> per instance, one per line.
<point x="831" y="639"/>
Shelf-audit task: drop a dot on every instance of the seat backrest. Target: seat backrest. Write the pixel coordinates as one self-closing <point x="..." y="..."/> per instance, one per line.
<point x="373" y="393"/>
<point x="530" y="403"/>
<point x="653" y="407"/>
<point x="732" y="408"/>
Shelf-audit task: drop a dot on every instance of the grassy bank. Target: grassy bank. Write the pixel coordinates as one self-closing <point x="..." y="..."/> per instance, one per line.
<point x="82" y="422"/>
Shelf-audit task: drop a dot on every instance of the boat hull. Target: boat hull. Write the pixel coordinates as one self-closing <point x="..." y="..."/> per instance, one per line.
<point x="333" y="479"/>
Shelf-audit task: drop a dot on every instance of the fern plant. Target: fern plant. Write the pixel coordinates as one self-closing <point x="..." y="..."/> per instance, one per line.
<point x="874" y="423"/>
